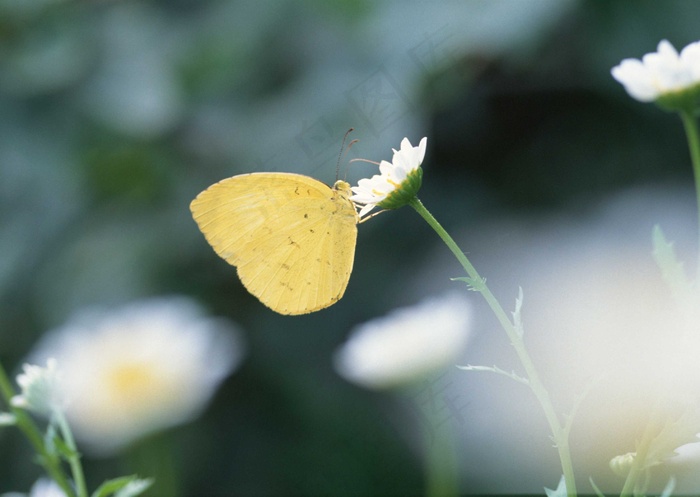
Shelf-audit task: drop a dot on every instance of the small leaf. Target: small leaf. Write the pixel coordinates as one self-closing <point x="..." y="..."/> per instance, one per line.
<point x="668" y="489"/>
<point x="559" y="492"/>
<point x="109" y="487"/>
<point x="473" y="284"/>
<point x="495" y="369"/>
<point x="64" y="450"/>
<point x="671" y="268"/>
<point x="50" y="438"/>
<point x="517" y="320"/>
<point x="134" y="488"/>
<point x="124" y="486"/>
<point x="595" y="488"/>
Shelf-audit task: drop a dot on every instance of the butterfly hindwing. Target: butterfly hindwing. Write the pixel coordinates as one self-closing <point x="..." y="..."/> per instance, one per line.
<point x="291" y="237"/>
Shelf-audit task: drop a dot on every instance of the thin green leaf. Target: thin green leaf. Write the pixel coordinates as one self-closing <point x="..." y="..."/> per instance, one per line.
<point x="495" y="369"/>
<point x="475" y="285"/>
<point x="559" y="492"/>
<point x="595" y="488"/>
<point x="517" y="320"/>
<point x="134" y="488"/>
<point x="668" y="489"/>
<point x="124" y="486"/>
<point x="578" y="401"/>
<point x="64" y="450"/>
<point x="671" y="268"/>
<point x="50" y="438"/>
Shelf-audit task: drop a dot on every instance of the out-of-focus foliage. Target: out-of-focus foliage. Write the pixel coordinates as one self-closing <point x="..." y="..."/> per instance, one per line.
<point x="115" y="114"/>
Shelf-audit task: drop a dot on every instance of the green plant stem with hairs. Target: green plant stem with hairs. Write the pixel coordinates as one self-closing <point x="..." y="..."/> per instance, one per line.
<point x="640" y="465"/>
<point x="560" y="431"/>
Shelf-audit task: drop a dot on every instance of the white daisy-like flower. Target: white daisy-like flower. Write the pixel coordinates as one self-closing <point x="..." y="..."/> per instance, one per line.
<point x="659" y="74"/>
<point x="406" y="345"/>
<point x="42" y="488"/>
<point x="140" y="368"/>
<point x="396" y="182"/>
<point x="40" y="389"/>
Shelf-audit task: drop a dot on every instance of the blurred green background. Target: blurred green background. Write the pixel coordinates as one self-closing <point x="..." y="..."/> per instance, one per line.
<point x="115" y="114"/>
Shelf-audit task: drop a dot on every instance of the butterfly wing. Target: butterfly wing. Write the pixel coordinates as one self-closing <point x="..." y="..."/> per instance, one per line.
<point x="291" y="237"/>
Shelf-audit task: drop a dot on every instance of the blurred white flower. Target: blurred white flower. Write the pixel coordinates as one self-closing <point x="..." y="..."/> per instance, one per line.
<point x="660" y="73"/>
<point x="40" y="389"/>
<point x="407" y="344"/>
<point x="42" y="488"/>
<point x="141" y="368"/>
<point x="378" y="189"/>
<point x="7" y="419"/>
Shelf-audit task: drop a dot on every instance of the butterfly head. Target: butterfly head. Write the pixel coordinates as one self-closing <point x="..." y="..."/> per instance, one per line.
<point x="342" y="187"/>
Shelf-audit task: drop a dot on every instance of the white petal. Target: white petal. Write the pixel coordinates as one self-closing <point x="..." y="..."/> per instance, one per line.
<point x="666" y="50"/>
<point x="366" y="209"/>
<point x="636" y="79"/>
<point x="690" y="56"/>
<point x="421" y="149"/>
<point x="385" y="168"/>
<point x="407" y="158"/>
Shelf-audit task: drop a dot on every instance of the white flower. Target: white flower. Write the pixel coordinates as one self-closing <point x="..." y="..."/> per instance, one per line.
<point x="42" y="488"/>
<point x="373" y="191"/>
<point x="140" y="368"/>
<point x="660" y="73"/>
<point x="407" y="344"/>
<point x="40" y="389"/>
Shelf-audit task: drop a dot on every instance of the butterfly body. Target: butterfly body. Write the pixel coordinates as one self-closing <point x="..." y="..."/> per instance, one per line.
<point x="292" y="238"/>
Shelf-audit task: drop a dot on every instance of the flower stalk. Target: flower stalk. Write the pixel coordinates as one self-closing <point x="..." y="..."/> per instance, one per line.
<point x="639" y="463"/>
<point x="560" y="432"/>
<point x="690" y="124"/>
<point x="442" y="477"/>
<point x="74" y="456"/>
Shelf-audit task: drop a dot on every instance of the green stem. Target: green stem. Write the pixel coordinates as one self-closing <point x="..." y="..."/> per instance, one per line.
<point x="691" y="131"/>
<point x="156" y="457"/>
<point x="74" y="459"/>
<point x="631" y="486"/>
<point x="559" y="432"/>
<point x="441" y="470"/>
<point x="50" y="462"/>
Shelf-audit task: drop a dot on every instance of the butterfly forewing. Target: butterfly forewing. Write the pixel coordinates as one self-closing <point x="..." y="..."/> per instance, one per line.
<point x="291" y="237"/>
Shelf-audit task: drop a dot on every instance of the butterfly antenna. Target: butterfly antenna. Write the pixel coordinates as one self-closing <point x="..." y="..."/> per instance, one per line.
<point x="365" y="160"/>
<point x="340" y="155"/>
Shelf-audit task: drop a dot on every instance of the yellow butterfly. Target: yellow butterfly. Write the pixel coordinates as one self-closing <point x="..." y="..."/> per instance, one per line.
<point x="291" y="237"/>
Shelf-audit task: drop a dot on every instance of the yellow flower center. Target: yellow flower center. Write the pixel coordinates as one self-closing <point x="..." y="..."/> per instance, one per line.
<point x="132" y="382"/>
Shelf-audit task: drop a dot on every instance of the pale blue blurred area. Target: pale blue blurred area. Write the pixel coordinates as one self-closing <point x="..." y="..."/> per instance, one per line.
<point x="114" y="115"/>
<point x="597" y="315"/>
